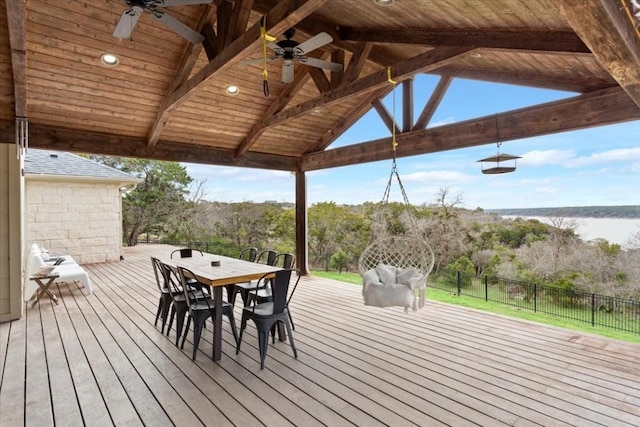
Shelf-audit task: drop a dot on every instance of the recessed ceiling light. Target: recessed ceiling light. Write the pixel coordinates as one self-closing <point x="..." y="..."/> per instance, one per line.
<point x="384" y="2"/>
<point x="109" y="59"/>
<point x="232" y="89"/>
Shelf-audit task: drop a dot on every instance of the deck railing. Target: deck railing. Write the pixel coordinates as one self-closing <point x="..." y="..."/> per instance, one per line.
<point x="598" y="310"/>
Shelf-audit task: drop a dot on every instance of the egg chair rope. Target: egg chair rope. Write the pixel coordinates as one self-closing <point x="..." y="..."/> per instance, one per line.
<point x="404" y="260"/>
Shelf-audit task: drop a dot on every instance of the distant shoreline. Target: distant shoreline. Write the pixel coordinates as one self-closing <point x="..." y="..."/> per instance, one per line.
<point x="628" y="212"/>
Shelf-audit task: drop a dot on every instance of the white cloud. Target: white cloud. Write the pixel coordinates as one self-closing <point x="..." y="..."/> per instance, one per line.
<point x="618" y="155"/>
<point x="546" y="157"/>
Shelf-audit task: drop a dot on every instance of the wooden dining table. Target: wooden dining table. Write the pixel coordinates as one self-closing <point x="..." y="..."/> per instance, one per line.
<point x="226" y="271"/>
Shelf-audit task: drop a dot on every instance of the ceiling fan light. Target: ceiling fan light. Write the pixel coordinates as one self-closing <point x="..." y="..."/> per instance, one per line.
<point x="232" y="90"/>
<point x="109" y="59"/>
<point x="384" y="2"/>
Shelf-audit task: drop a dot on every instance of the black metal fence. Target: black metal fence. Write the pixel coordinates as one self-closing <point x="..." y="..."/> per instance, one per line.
<point x="598" y="310"/>
<point x="220" y="248"/>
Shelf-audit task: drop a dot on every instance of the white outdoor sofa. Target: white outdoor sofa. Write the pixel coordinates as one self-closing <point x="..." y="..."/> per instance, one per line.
<point x="67" y="270"/>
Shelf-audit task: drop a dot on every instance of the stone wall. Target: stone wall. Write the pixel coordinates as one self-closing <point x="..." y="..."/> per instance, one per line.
<point x="81" y="219"/>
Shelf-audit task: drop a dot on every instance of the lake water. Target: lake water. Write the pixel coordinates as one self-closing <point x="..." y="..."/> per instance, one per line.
<point x="615" y="230"/>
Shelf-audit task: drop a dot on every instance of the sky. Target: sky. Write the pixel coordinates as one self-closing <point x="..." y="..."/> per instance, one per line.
<point x="596" y="166"/>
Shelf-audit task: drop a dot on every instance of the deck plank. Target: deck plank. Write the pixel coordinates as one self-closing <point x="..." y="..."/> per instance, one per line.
<point x="5" y="329"/>
<point x="38" y="407"/>
<point x="114" y="398"/>
<point x="58" y="345"/>
<point x="99" y="357"/>
<point x="12" y="386"/>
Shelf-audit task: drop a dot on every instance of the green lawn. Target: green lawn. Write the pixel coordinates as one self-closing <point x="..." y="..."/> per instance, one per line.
<point x="493" y="307"/>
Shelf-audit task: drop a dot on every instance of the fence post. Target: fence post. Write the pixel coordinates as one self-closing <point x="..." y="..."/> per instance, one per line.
<point x="593" y="309"/>
<point x="458" y="280"/>
<point x="486" y="288"/>
<point x="535" y="297"/>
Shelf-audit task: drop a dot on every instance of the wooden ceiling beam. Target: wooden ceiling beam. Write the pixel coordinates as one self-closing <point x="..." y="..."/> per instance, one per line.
<point x="337" y="56"/>
<point x="320" y="79"/>
<point x="343" y="125"/>
<point x="224" y="18"/>
<point x="594" y="109"/>
<point x="187" y="62"/>
<point x="315" y="24"/>
<point x="301" y="77"/>
<point x="357" y="62"/>
<point x="281" y="17"/>
<point x="62" y="139"/>
<point x="16" y="20"/>
<point x="543" y="40"/>
<point x="432" y="104"/>
<point x="242" y="13"/>
<point x="388" y="120"/>
<point x="425" y="62"/>
<point x="607" y="27"/>
<point x="524" y="78"/>
<point x="407" y="104"/>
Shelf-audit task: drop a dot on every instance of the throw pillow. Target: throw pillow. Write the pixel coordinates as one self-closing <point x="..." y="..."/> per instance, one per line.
<point x="387" y="273"/>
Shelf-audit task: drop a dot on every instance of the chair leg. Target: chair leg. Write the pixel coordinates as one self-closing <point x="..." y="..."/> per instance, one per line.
<point x="186" y="331"/>
<point x="233" y="326"/>
<point x="231" y="294"/>
<point x="291" y="320"/>
<point x="197" y="331"/>
<point x="263" y="343"/>
<point x="243" y="324"/>
<point x="159" y="311"/>
<point x="245" y="297"/>
<point x="166" y="305"/>
<point x="173" y="314"/>
<point x="293" y="346"/>
<point x="180" y="315"/>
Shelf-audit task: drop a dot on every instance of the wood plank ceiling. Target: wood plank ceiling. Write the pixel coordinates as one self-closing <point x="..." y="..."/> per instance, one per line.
<point x="166" y="98"/>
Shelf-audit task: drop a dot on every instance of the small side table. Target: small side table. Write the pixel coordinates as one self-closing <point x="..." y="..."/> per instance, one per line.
<point x="44" y="282"/>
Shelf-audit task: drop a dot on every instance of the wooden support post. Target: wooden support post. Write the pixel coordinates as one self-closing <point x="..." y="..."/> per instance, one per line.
<point x="301" y="223"/>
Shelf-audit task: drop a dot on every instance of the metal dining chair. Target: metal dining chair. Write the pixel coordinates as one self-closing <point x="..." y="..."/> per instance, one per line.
<point x="199" y="310"/>
<point x="267" y="315"/>
<point x="285" y="260"/>
<point x="267" y="257"/>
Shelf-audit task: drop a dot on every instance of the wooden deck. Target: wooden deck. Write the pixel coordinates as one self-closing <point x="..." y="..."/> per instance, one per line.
<point x="98" y="360"/>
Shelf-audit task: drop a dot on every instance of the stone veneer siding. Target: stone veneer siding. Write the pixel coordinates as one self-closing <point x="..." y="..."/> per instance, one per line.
<point x="81" y="219"/>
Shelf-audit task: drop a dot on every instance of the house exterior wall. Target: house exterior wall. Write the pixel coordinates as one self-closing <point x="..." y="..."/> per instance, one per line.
<point x="11" y="233"/>
<point x="81" y="219"/>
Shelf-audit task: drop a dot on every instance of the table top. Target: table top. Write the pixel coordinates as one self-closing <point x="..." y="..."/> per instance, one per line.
<point x="230" y="270"/>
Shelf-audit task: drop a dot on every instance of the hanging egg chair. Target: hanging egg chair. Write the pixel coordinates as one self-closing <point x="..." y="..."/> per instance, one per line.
<point x="395" y="267"/>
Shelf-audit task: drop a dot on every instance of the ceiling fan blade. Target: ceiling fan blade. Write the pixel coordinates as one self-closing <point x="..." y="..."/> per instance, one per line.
<point x="127" y="22"/>
<point x="169" y="3"/>
<point x="177" y="26"/>
<point x="319" y="63"/>
<point x="287" y="71"/>
<point x="277" y="49"/>
<point x="314" y="42"/>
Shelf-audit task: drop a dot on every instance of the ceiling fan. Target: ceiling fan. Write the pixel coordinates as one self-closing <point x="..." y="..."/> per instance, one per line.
<point x="290" y="50"/>
<point x="130" y="17"/>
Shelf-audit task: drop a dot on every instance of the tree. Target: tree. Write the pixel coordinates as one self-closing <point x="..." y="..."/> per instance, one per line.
<point x="150" y="206"/>
<point x="445" y="232"/>
<point x="339" y="260"/>
<point x="328" y="225"/>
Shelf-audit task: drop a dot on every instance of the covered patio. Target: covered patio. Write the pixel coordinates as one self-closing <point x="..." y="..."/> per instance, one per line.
<point x="99" y="360"/>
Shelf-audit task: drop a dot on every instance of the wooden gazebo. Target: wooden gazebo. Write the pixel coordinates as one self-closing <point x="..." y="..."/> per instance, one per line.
<point x="166" y="97"/>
